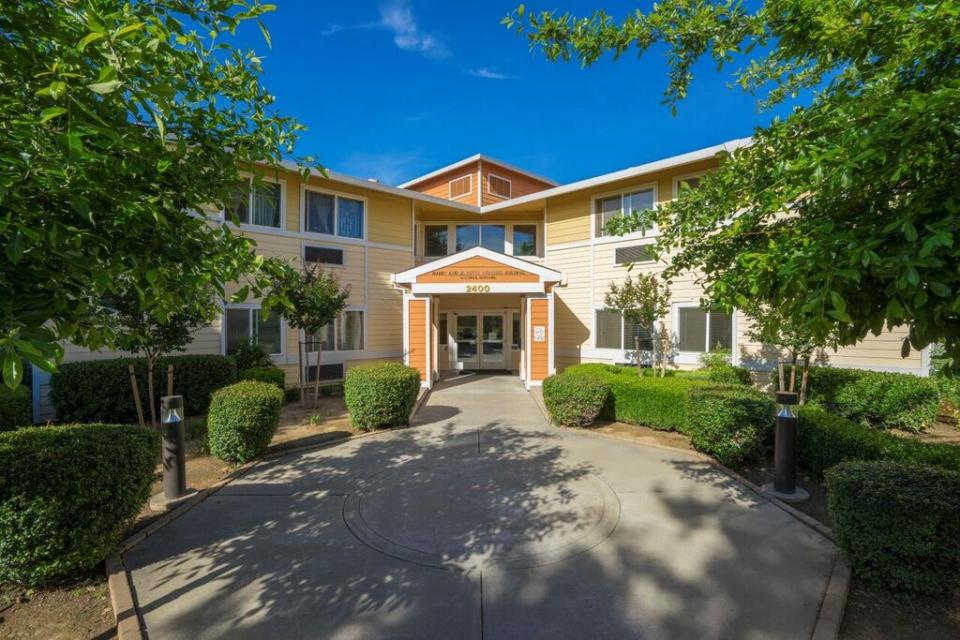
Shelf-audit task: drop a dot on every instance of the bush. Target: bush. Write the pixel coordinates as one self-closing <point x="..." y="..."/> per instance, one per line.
<point x="381" y="395"/>
<point x="825" y="440"/>
<point x="729" y="423"/>
<point x="99" y="390"/>
<point x="717" y="368"/>
<point x="270" y="375"/>
<point x="888" y="400"/>
<point x="67" y="494"/>
<point x="16" y="409"/>
<point x="898" y="524"/>
<point x="242" y="420"/>
<point x="248" y="355"/>
<point x="574" y="400"/>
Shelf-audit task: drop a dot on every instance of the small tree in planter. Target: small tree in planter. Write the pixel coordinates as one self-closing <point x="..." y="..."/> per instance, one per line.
<point x="145" y="333"/>
<point x="772" y="326"/>
<point x="313" y="299"/>
<point x="644" y="301"/>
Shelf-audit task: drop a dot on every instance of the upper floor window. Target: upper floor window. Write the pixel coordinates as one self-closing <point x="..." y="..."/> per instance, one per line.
<point x="460" y="187"/>
<point x="524" y="239"/>
<point x="682" y="183"/>
<point x="259" y="204"/>
<point x="498" y="186"/>
<point x="609" y="207"/>
<point x="435" y="240"/>
<point x="331" y="214"/>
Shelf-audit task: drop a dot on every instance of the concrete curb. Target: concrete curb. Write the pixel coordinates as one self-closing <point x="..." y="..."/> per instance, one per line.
<point x="834" y="602"/>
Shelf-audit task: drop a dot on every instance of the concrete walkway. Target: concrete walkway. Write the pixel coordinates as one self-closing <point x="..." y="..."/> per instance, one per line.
<point x="483" y="522"/>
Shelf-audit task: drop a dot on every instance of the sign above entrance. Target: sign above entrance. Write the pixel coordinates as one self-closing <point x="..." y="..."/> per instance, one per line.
<point x="478" y="270"/>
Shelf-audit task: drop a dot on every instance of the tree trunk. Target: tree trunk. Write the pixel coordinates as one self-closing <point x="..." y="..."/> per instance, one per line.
<point x="316" y="379"/>
<point x="793" y="374"/>
<point x="301" y="346"/>
<point x="153" y="405"/>
<point x="782" y="386"/>
<point x="804" y="379"/>
<point x="664" y="339"/>
<point x="169" y="379"/>
<point x="136" y="394"/>
<point x="636" y="354"/>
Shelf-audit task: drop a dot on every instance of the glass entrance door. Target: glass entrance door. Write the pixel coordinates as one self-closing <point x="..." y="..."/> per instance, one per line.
<point x="491" y="351"/>
<point x="467" y="355"/>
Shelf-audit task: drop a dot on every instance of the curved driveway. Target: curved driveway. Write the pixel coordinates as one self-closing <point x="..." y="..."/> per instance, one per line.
<point x="482" y="522"/>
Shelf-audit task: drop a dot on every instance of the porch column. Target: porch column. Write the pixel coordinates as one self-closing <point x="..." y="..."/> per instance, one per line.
<point x="539" y="338"/>
<point x="416" y="336"/>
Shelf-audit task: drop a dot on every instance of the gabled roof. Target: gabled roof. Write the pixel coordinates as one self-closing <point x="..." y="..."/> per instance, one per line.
<point x="545" y="274"/>
<point x="479" y="157"/>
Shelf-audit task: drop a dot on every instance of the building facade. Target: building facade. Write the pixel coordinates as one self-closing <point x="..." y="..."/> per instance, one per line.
<point x="481" y="265"/>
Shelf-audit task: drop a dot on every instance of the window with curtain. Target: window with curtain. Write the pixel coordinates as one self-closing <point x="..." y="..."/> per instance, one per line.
<point x="351" y="331"/>
<point x="349" y="218"/>
<point x="468" y="236"/>
<point x="251" y="324"/>
<point x="435" y="240"/>
<point x="635" y="334"/>
<point x="608" y="329"/>
<point x="266" y="205"/>
<point x="524" y="239"/>
<point x="493" y="236"/>
<point x="238" y="207"/>
<point x="320" y="212"/>
<point x="321" y="340"/>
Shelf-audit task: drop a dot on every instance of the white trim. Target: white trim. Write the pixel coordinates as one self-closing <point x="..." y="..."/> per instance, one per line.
<point x="551" y="335"/>
<point x="498" y="177"/>
<point x="279" y="356"/>
<point x="685" y="176"/>
<point x="462" y="195"/>
<point x="478" y="157"/>
<point x="648" y="186"/>
<point x="337" y="195"/>
<point x="309" y="236"/>
<point x="460" y="287"/>
<point x="625" y="174"/>
<point x="545" y="274"/>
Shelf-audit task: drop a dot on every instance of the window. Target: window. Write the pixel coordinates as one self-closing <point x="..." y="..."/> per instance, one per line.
<point x="461" y="186"/>
<point x="493" y="236"/>
<point x="321" y="340"/>
<point x="468" y="236"/>
<point x="516" y="342"/>
<point x="699" y="331"/>
<point x="442" y="335"/>
<point x="256" y="204"/>
<point x="351" y="331"/>
<point x="524" y="239"/>
<point x="498" y="186"/>
<point x="250" y="324"/>
<point x="333" y="215"/>
<point x="636" y="254"/>
<point x="435" y="240"/>
<point x="613" y="331"/>
<point x="682" y="184"/>
<point x="610" y="207"/>
<point x="322" y="255"/>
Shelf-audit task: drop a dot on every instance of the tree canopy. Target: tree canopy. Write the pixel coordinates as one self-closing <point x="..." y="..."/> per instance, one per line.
<point x="844" y="214"/>
<point x="118" y="122"/>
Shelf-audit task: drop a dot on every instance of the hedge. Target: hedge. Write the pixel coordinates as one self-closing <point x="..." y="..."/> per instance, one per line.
<point x="888" y="400"/>
<point x="898" y="523"/>
<point x="731" y="423"/>
<point x="270" y="375"/>
<point x="575" y="400"/>
<point x="67" y="494"/>
<point x="381" y="395"/>
<point x="825" y="440"/>
<point x="242" y="420"/>
<point x="16" y="409"/>
<point x="99" y="390"/>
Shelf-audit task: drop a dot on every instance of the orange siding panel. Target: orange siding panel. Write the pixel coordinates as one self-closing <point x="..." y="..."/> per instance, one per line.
<point x="539" y="351"/>
<point x="477" y="269"/>
<point x="417" y="338"/>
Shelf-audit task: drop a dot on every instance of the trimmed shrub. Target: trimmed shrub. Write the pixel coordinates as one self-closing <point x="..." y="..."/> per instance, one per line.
<point x="248" y="355"/>
<point x="717" y="368"/>
<point x="897" y="523"/>
<point x="888" y="400"/>
<point x="270" y="375"/>
<point x="381" y="395"/>
<point x="730" y="423"/>
<point x="825" y="440"/>
<point x="575" y="400"/>
<point x="242" y="420"/>
<point x="67" y="494"/>
<point x="16" y="409"/>
<point x="99" y="390"/>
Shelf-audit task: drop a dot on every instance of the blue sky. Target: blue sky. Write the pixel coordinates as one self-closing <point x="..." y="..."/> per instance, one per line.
<point x="393" y="89"/>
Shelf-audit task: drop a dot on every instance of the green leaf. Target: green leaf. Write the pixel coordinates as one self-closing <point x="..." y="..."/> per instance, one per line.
<point x="940" y="289"/>
<point x="89" y="38"/>
<point x="49" y="114"/>
<point x="12" y="369"/>
<point x="265" y="32"/>
<point x="104" y="88"/>
<point x="15" y="247"/>
<point x="905" y="348"/>
<point x="909" y="231"/>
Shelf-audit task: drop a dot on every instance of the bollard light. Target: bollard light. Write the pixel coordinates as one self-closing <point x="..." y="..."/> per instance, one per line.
<point x="784" y="485"/>
<point x="174" y="454"/>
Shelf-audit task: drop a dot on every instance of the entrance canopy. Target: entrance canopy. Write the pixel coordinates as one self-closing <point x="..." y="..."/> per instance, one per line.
<point x="478" y="270"/>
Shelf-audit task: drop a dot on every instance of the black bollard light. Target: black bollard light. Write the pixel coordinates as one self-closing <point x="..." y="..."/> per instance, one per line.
<point x="784" y="485"/>
<point x="174" y="454"/>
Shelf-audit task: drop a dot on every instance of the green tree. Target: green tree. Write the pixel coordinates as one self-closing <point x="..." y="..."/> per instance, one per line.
<point x="645" y="302"/>
<point x="119" y="121"/>
<point x="314" y="298"/>
<point x="845" y="213"/>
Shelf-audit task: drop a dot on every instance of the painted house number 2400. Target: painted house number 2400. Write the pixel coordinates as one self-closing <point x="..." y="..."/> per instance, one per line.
<point x="478" y="288"/>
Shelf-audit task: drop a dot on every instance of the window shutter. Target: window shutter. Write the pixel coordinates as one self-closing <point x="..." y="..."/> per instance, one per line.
<point x="461" y="186"/>
<point x="498" y="186"/>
